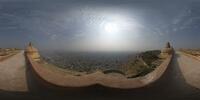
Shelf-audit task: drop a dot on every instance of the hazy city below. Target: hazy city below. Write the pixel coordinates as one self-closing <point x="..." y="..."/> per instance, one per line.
<point x="88" y="61"/>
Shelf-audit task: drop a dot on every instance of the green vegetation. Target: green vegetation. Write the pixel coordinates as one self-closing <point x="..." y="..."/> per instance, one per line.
<point x="144" y="70"/>
<point x="143" y="64"/>
<point x="150" y="56"/>
<point x="113" y="71"/>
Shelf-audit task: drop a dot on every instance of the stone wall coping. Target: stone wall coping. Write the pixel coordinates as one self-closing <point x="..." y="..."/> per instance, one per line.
<point x="191" y="56"/>
<point x="97" y="77"/>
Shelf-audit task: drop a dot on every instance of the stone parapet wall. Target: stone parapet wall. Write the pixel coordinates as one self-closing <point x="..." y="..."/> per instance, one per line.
<point x="2" y="58"/>
<point x="68" y="80"/>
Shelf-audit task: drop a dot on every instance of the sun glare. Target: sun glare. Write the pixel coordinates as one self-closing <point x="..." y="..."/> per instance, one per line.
<point x="113" y="33"/>
<point x="111" y="27"/>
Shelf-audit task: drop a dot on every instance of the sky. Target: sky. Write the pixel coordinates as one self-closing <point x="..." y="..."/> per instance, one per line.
<point x="100" y="25"/>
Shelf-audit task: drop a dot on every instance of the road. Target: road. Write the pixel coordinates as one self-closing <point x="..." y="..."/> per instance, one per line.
<point x="190" y="69"/>
<point x="12" y="73"/>
<point x="171" y="85"/>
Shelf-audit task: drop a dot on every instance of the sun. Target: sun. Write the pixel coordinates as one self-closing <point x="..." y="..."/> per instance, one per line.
<point x="111" y="30"/>
<point x="110" y="34"/>
<point x="111" y="27"/>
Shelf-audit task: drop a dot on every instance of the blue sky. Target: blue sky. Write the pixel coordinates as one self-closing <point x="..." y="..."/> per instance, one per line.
<point x="77" y="24"/>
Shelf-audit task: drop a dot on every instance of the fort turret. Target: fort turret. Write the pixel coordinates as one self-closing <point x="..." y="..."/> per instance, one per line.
<point x="168" y="50"/>
<point x="32" y="52"/>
